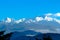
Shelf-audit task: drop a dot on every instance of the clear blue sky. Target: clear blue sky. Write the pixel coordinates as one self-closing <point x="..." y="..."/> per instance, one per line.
<point x="24" y="8"/>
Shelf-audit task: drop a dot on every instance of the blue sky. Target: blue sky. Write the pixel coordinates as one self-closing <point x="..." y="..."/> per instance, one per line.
<point x="27" y="8"/>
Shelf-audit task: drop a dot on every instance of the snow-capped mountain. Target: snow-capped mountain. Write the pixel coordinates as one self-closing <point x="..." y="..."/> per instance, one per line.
<point x="45" y="24"/>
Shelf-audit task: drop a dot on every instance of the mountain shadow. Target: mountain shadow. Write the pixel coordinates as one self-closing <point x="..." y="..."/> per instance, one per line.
<point x="5" y="37"/>
<point x="45" y="37"/>
<point x="29" y="35"/>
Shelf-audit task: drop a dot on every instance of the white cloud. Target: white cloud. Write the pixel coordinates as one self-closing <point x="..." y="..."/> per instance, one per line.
<point x="58" y="30"/>
<point x="30" y="20"/>
<point x="20" y="20"/>
<point x="39" y="18"/>
<point x="57" y="20"/>
<point x="30" y="35"/>
<point x="43" y="30"/>
<point x="48" y="18"/>
<point x="49" y="14"/>
<point x="57" y="14"/>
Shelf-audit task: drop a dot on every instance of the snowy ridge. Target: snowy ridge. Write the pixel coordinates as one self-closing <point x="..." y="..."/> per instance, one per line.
<point x="50" y="23"/>
<point x="48" y="17"/>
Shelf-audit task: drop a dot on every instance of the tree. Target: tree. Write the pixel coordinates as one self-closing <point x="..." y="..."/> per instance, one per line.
<point x="1" y="35"/>
<point x="5" y="37"/>
<point x="37" y="39"/>
<point x="45" y="37"/>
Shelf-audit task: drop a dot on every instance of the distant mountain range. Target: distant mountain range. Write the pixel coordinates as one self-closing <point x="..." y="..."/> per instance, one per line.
<point x="39" y="28"/>
<point x="39" y="24"/>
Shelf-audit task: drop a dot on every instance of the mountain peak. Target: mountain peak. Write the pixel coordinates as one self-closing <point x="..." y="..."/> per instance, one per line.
<point x="8" y="20"/>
